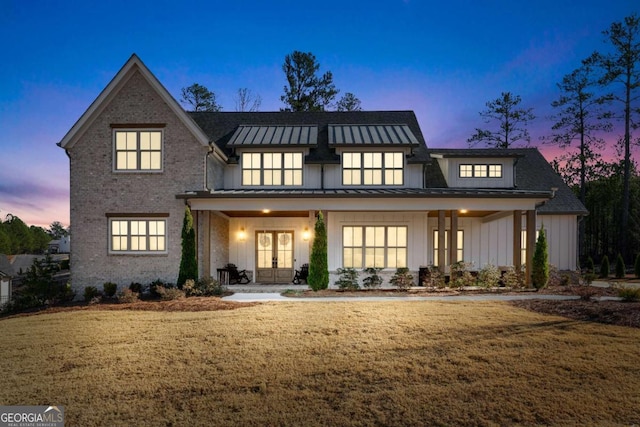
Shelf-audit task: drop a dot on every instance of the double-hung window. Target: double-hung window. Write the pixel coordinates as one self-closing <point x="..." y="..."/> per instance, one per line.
<point x="374" y="246"/>
<point x="272" y="169"/>
<point x="137" y="150"/>
<point x="372" y="168"/>
<point x="137" y="235"/>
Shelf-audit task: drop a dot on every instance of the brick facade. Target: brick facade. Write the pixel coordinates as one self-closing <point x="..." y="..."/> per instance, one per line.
<point x="97" y="191"/>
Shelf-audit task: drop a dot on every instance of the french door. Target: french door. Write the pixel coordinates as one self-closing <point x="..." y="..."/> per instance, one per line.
<point x="274" y="256"/>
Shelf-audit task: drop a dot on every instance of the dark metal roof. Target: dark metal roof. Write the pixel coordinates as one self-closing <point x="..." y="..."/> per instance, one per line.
<point x="473" y="152"/>
<point x="260" y="135"/>
<point x="6" y="269"/>
<point x="221" y="126"/>
<point x="368" y="192"/>
<point x="377" y="134"/>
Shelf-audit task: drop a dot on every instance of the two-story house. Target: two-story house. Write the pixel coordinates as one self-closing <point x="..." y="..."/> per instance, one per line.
<point x="255" y="181"/>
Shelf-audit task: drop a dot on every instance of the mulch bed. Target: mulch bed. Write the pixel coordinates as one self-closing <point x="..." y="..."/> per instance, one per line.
<point x="608" y="312"/>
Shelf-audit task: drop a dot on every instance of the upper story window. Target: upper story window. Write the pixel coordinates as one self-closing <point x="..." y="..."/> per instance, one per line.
<point x="135" y="235"/>
<point x="272" y="169"/>
<point x="372" y="168"/>
<point x="138" y="150"/>
<point x="480" y="171"/>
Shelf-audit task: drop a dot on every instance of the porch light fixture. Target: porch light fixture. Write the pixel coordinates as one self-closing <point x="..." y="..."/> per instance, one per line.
<point x="306" y="235"/>
<point x="242" y="235"/>
<point x="266" y="211"/>
<point x="463" y="211"/>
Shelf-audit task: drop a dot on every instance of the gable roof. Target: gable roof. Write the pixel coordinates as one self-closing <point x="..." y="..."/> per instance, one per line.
<point x="6" y="269"/>
<point x="221" y="127"/>
<point x="133" y="65"/>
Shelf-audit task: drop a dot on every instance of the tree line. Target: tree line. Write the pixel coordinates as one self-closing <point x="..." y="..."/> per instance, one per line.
<point x="16" y="237"/>
<point x="306" y="90"/>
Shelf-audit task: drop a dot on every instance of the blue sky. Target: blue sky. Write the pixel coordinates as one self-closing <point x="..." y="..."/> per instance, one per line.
<point x="443" y="60"/>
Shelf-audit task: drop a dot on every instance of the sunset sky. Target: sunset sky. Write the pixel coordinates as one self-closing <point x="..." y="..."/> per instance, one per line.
<point x="443" y="60"/>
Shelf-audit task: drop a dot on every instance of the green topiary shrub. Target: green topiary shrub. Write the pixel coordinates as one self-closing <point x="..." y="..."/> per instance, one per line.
<point x="636" y="267"/>
<point x="318" y="264"/>
<point x="348" y="279"/>
<point x="110" y="289"/>
<point x="135" y="287"/>
<point x="402" y="279"/>
<point x="591" y="268"/>
<point x="188" y="262"/>
<point x="90" y="292"/>
<point x="540" y="267"/>
<point x="373" y="280"/>
<point x="620" y="267"/>
<point x="604" y="267"/>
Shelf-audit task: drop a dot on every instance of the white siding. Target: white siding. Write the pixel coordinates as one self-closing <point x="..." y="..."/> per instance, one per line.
<point x="450" y="169"/>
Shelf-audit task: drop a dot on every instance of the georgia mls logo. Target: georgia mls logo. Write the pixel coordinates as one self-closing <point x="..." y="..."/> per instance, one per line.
<point x="31" y="416"/>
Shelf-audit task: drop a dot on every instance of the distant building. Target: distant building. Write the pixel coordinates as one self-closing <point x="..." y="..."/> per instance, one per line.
<point x="60" y="246"/>
<point x="6" y="276"/>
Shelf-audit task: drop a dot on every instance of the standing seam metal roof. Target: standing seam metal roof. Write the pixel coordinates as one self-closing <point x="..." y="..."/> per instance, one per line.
<point x="378" y="134"/>
<point x="257" y="135"/>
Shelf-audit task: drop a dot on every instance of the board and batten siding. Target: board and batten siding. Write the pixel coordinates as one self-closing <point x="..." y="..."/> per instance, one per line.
<point x="491" y="242"/>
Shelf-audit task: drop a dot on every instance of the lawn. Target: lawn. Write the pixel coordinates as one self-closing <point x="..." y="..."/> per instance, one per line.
<point x="323" y="363"/>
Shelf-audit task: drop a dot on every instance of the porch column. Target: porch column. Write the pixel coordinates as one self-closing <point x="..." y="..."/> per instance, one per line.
<point x="531" y="243"/>
<point x="441" y="241"/>
<point x="517" y="240"/>
<point x="453" y="237"/>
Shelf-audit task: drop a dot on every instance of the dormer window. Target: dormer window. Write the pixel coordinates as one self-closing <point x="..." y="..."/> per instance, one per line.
<point x="480" y="171"/>
<point x="372" y="168"/>
<point x="272" y="169"/>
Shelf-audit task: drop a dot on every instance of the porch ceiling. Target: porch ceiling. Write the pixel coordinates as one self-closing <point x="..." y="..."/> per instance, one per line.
<point x="270" y="214"/>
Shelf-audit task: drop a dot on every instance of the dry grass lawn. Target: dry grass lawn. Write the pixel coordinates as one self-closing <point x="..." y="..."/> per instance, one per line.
<point x="316" y="363"/>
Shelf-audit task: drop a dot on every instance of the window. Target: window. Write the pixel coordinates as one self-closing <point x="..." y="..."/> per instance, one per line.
<point x="272" y="169"/>
<point x="459" y="249"/>
<point x="137" y="235"/>
<point x="523" y="245"/>
<point x="372" y="168"/>
<point x="375" y="246"/>
<point x="138" y="150"/>
<point x="480" y="171"/>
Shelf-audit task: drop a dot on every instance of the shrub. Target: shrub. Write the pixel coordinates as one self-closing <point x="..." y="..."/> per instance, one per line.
<point x="620" y="267"/>
<point x="540" y="268"/>
<point x="588" y="278"/>
<point x="373" y="280"/>
<point x="206" y="286"/>
<point x="90" y="292"/>
<point x="604" y="267"/>
<point x="629" y="293"/>
<point x="460" y="275"/>
<point x="591" y="268"/>
<point x="169" y="294"/>
<point x="64" y="264"/>
<point x="513" y="278"/>
<point x="153" y="287"/>
<point x="636" y="267"/>
<point x="110" y="289"/>
<point x="585" y="292"/>
<point x="402" y="279"/>
<point x="127" y="296"/>
<point x="436" y="278"/>
<point x="489" y="276"/>
<point x="348" y="279"/>
<point x="318" y="263"/>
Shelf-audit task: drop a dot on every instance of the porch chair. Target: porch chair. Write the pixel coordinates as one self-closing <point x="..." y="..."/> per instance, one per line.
<point x="237" y="276"/>
<point x="301" y="274"/>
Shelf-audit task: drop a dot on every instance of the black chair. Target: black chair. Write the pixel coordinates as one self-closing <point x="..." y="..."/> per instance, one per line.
<point x="301" y="274"/>
<point x="237" y="276"/>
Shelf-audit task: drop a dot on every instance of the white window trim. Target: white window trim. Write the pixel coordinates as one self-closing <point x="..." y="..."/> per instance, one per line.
<point x="459" y="249"/>
<point x="114" y="154"/>
<point x="147" y="252"/>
